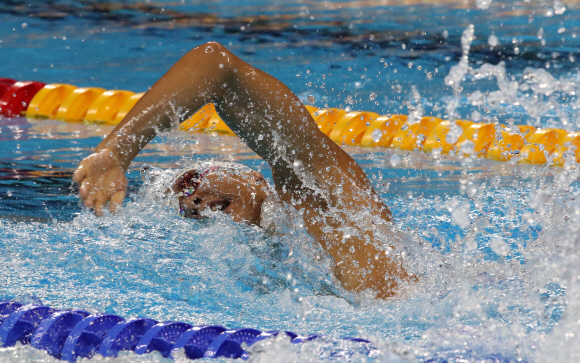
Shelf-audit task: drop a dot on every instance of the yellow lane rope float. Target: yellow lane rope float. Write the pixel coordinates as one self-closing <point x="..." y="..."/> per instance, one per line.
<point x="360" y="128"/>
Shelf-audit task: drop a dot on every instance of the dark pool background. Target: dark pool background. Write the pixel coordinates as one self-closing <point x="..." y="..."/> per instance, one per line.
<point x="474" y="303"/>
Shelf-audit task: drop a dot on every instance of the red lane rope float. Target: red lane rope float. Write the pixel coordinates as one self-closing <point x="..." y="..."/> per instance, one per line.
<point x="16" y="98"/>
<point x="5" y="83"/>
<point x="369" y="129"/>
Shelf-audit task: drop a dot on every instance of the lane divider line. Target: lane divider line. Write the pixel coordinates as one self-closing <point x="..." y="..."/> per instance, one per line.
<point x="70" y="335"/>
<point x="360" y="128"/>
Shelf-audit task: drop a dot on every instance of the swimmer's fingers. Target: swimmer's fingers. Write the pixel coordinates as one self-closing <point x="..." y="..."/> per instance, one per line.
<point x="99" y="204"/>
<point x="87" y="186"/>
<point x="80" y="173"/>
<point x="93" y="195"/>
<point x="116" y="201"/>
<point x="89" y="202"/>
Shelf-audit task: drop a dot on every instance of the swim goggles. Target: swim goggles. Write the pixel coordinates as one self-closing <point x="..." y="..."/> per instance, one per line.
<point x="186" y="182"/>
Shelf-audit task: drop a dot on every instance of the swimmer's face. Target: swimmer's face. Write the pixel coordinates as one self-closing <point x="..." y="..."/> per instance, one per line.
<point x="239" y="194"/>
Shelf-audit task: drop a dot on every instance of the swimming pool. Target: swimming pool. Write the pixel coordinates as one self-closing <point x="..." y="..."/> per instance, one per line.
<point x="473" y="302"/>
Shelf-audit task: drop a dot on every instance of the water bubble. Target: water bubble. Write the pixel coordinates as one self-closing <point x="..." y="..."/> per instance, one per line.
<point x="493" y="41"/>
<point x="395" y="160"/>
<point x="483" y="4"/>
<point x="455" y="131"/>
<point x="499" y="247"/>
<point x="470" y="245"/>
<point x="476" y="98"/>
<point x="376" y="135"/>
<point x="311" y="99"/>
<point x="467" y="147"/>
<point x="458" y="71"/>
<point x="559" y="7"/>
<point x="459" y="213"/>
<point x="372" y="96"/>
<point x="208" y="49"/>
<point x="415" y="108"/>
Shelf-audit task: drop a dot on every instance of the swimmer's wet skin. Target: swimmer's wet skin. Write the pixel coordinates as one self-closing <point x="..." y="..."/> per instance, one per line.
<point x="340" y="207"/>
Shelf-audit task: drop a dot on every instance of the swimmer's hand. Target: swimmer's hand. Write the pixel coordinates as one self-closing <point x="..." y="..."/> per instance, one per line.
<point x="101" y="179"/>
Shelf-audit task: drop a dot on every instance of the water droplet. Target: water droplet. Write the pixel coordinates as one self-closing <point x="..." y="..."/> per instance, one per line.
<point x="467" y="147"/>
<point x="376" y="135"/>
<point x="559" y="7"/>
<point x="499" y="246"/>
<point x="395" y="160"/>
<point x="493" y="41"/>
<point x="483" y="4"/>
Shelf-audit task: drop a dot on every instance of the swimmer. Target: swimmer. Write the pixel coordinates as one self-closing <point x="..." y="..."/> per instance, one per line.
<point x="340" y="208"/>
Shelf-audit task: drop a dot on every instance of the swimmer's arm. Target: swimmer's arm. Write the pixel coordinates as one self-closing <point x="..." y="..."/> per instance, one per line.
<point x="310" y="171"/>
<point x="262" y="111"/>
<point x="192" y="82"/>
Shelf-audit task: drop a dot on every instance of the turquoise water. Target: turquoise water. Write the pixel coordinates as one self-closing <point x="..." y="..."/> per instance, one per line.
<point x="495" y="243"/>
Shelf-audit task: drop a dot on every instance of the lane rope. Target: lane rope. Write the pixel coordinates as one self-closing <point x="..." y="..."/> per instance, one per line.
<point x="72" y="334"/>
<point x="522" y="143"/>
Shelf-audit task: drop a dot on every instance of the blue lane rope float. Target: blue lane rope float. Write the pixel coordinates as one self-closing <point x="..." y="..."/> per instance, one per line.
<point x="73" y="334"/>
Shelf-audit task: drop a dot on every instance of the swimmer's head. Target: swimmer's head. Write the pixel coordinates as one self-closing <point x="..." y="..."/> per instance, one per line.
<point x="220" y="186"/>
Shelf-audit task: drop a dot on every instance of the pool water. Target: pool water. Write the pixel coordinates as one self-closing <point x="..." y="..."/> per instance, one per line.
<point x="495" y="243"/>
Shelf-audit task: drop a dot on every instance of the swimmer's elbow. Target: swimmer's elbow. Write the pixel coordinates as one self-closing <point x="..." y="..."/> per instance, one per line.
<point x="213" y="47"/>
<point x="210" y="55"/>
